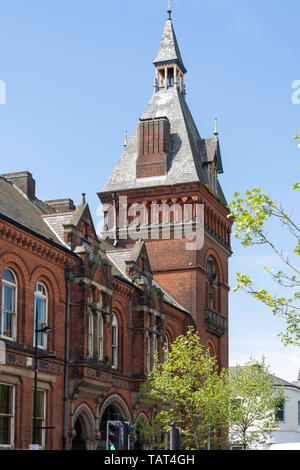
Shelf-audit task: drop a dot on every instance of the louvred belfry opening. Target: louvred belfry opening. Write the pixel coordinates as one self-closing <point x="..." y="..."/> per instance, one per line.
<point x="153" y="147"/>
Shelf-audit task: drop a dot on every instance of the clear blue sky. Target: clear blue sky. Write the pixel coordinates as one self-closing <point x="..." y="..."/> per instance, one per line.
<point x="79" y="73"/>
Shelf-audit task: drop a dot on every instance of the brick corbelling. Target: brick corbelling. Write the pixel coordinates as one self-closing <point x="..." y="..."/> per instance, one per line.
<point x="29" y="243"/>
<point x="122" y="288"/>
<point x="216" y="214"/>
<point x="168" y="192"/>
<point x="173" y="314"/>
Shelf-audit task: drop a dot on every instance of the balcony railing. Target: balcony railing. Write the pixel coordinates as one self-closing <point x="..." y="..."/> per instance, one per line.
<point x="215" y="322"/>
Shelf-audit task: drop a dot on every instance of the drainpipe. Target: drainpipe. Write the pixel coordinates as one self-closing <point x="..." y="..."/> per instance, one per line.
<point x="69" y="275"/>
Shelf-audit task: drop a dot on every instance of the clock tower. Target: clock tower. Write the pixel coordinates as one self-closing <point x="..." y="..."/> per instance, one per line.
<point x="165" y="187"/>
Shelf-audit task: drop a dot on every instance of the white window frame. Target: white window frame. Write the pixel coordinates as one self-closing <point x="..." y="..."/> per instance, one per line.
<point x="114" y="345"/>
<point x="152" y="349"/>
<point x="100" y="337"/>
<point x="13" y="314"/>
<point x="12" y="418"/>
<point x="148" y="352"/>
<point x="43" y="418"/>
<point x="90" y="334"/>
<point x="39" y="295"/>
<point x="165" y="345"/>
<point x="283" y="404"/>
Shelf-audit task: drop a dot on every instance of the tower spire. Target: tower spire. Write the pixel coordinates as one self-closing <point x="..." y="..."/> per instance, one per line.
<point x="169" y="65"/>
<point x="216" y="132"/>
<point x="169" y="9"/>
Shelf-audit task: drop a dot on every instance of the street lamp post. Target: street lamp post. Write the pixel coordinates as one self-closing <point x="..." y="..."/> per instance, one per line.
<point x="45" y="330"/>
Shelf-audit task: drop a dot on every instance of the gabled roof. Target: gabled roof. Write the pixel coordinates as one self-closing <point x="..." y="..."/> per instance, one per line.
<point x="59" y="221"/>
<point x="139" y="252"/>
<point x="16" y="206"/>
<point x="210" y="151"/>
<point x="119" y="259"/>
<point x="277" y="381"/>
<point x="169" y="49"/>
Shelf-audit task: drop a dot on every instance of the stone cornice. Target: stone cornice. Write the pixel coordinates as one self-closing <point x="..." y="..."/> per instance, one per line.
<point x="90" y="282"/>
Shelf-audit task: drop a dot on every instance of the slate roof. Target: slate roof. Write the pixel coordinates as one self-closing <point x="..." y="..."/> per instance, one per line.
<point x="17" y="207"/>
<point x="185" y="160"/>
<point x="118" y="259"/>
<point x="169" y="49"/>
<point x="57" y="222"/>
<point x="277" y="380"/>
<point x="188" y="151"/>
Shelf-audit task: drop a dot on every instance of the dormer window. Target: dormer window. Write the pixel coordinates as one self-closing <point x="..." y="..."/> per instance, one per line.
<point x="212" y="176"/>
<point x="144" y="279"/>
<point x="89" y="249"/>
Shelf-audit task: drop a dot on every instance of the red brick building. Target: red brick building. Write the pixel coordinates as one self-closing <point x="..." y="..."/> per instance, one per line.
<point x="110" y="304"/>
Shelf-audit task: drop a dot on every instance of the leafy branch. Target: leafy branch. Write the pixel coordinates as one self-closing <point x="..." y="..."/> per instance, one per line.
<point x="251" y="214"/>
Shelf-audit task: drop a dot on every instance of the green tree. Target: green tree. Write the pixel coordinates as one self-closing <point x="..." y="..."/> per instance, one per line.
<point x="151" y="435"/>
<point x="189" y="389"/>
<point x="252" y="213"/>
<point x="254" y="400"/>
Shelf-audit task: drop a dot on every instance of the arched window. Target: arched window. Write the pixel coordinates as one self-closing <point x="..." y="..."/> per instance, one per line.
<point x="100" y="337"/>
<point x="155" y="347"/>
<point x="8" y="304"/>
<point x="212" y="278"/>
<point x="148" y="352"/>
<point x="90" y="334"/>
<point x="40" y="314"/>
<point x="114" y="341"/>
<point x="165" y="345"/>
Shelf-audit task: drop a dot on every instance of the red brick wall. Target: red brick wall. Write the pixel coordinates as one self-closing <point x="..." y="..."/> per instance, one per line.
<point x="33" y="260"/>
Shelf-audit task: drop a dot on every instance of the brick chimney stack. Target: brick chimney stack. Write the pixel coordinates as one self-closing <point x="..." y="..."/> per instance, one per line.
<point x="153" y="147"/>
<point x="24" y="181"/>
<point x="62" y="205"/>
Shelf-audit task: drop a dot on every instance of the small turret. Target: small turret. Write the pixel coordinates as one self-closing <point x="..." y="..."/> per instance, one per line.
<point x="169" y="65"/>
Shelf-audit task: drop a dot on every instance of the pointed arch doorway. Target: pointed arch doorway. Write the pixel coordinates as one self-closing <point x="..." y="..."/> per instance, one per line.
<point x="79" y="441"/>
<point x="83" y="429"/>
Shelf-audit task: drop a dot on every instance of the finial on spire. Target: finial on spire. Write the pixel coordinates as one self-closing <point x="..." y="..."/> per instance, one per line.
<point x="169" y="9"/>
<point x="83" y="198"/>
<point x="216" y="133"/>
<point x="125" y="141"/>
